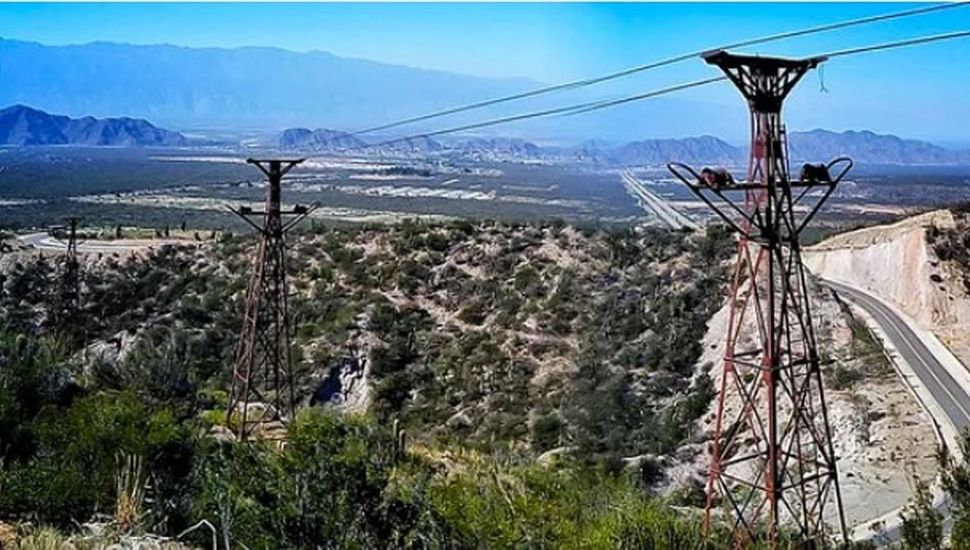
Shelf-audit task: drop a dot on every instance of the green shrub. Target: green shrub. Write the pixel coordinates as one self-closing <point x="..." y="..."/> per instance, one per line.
<point x="71" y="473"/>
<point x="333" y="485"/>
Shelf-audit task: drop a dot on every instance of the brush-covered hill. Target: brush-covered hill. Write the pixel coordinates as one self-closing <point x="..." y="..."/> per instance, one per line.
<point x="539" y="336"/>
<point x="504" y="382"/>
<point x="493" y="367"/>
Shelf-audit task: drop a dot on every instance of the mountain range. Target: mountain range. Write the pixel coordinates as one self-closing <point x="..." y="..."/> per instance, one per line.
<point x="22" y="125"/>
<point x="260" y="89"/>
<point x="249" y="87"/>
<point x="26" y="126"/>
<point x="336" y="142"/>
<point x="863" y="147"/>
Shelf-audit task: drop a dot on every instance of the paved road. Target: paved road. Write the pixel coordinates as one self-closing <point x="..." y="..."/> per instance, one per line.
<point x="656" y="204"/>
<point x="946" y="391"/>
<point x="953" y="399"/>
<point x="43" y="241"/>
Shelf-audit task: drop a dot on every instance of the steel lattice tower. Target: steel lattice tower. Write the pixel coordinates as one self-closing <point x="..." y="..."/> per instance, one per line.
<point x="68" y="299"/>
<point x="261" y="371"/>
<point x="772" y="461"/>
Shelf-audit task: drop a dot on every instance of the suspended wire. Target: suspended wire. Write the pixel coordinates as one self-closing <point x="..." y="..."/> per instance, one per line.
<point x="899" y="43"/>
<point x="670" y="61"/>
<point x="614" y="102"/>
<point x="571" y="110"/>
<point x="562" y="111"/>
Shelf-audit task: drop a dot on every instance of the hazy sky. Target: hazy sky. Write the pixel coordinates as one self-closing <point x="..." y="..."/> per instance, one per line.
<point x="919" y="92"/>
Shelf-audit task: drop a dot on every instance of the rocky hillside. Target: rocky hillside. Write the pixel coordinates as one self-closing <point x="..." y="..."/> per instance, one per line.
<point x="21" y="125"/>
<point x="482" y="354"/>
<point x="538" y="341"/>
<point x="882" y="436"/>
<point x="539" y="336"/>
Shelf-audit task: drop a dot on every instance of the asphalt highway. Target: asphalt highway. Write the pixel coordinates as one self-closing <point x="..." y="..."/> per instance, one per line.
<point x="946" y="391"/>
<point x="953" y="399"/>
<point x="656" y="204"/>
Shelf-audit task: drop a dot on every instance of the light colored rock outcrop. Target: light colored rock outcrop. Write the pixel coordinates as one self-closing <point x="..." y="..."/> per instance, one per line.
<point x="897" y="263"/>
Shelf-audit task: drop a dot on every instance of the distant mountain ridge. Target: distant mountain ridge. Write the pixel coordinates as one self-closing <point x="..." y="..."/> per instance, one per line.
<point x="701" y="149"/>
<point x="323" y="140"/>
<point x="24" y="126"/>
<point x="864" y="147"/>
<point x="871" y="148"/>
<point x="247" y="87"/>
<point x="320" y="140"/>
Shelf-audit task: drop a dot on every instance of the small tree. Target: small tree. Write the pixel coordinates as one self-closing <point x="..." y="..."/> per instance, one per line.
<point x="922" y="527"/>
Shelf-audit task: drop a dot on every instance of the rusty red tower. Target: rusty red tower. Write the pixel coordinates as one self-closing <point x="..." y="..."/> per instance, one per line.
<point x="261" y="373"/>
<point x="772" y="462"/>
<point x="66" y="311"/>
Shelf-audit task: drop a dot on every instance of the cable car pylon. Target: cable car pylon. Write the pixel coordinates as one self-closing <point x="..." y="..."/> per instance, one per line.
<point x="261" y="372"/>
<point x="772" y="462"/>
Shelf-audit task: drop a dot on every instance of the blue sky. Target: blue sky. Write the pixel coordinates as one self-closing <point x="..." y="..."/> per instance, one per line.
<point x="919" y="92"/>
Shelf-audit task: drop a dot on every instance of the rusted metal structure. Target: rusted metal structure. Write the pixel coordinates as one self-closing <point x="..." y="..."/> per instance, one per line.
<point x="261" y="373"/>
<point x="68" y="300"/>
<point x="772" y="463"/>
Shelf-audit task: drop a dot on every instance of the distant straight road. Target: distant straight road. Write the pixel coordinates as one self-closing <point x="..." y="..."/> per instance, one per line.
<point x="656" y="204"/>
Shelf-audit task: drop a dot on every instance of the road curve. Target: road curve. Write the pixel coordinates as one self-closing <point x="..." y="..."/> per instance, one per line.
<point x="951" y="397"/>
<point x="946" y="391"/>
<point x="45" y="242"/>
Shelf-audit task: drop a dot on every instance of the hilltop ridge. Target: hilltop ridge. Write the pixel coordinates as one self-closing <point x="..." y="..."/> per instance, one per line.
<point x="23" y="125"/>
<point x="863" y="146"/>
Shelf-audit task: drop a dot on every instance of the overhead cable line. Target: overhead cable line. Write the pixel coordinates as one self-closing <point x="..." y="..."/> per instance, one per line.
<point x="570" y="110"/>
<point x="670" y="61"/>
<point x="899" y="43"/>
<point x="563" y="111"/>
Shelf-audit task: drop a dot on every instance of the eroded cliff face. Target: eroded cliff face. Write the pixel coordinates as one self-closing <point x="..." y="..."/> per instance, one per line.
<point x="899" y="263"/>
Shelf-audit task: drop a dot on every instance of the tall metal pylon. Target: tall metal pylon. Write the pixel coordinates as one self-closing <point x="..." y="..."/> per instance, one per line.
<point x="261" y="372"/>
<point x="67" y="303"/>
<point x="772" y="462"/>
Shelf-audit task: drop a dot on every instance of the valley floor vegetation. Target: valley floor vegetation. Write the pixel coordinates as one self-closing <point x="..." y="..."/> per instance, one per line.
<point x="518" y="384"/>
